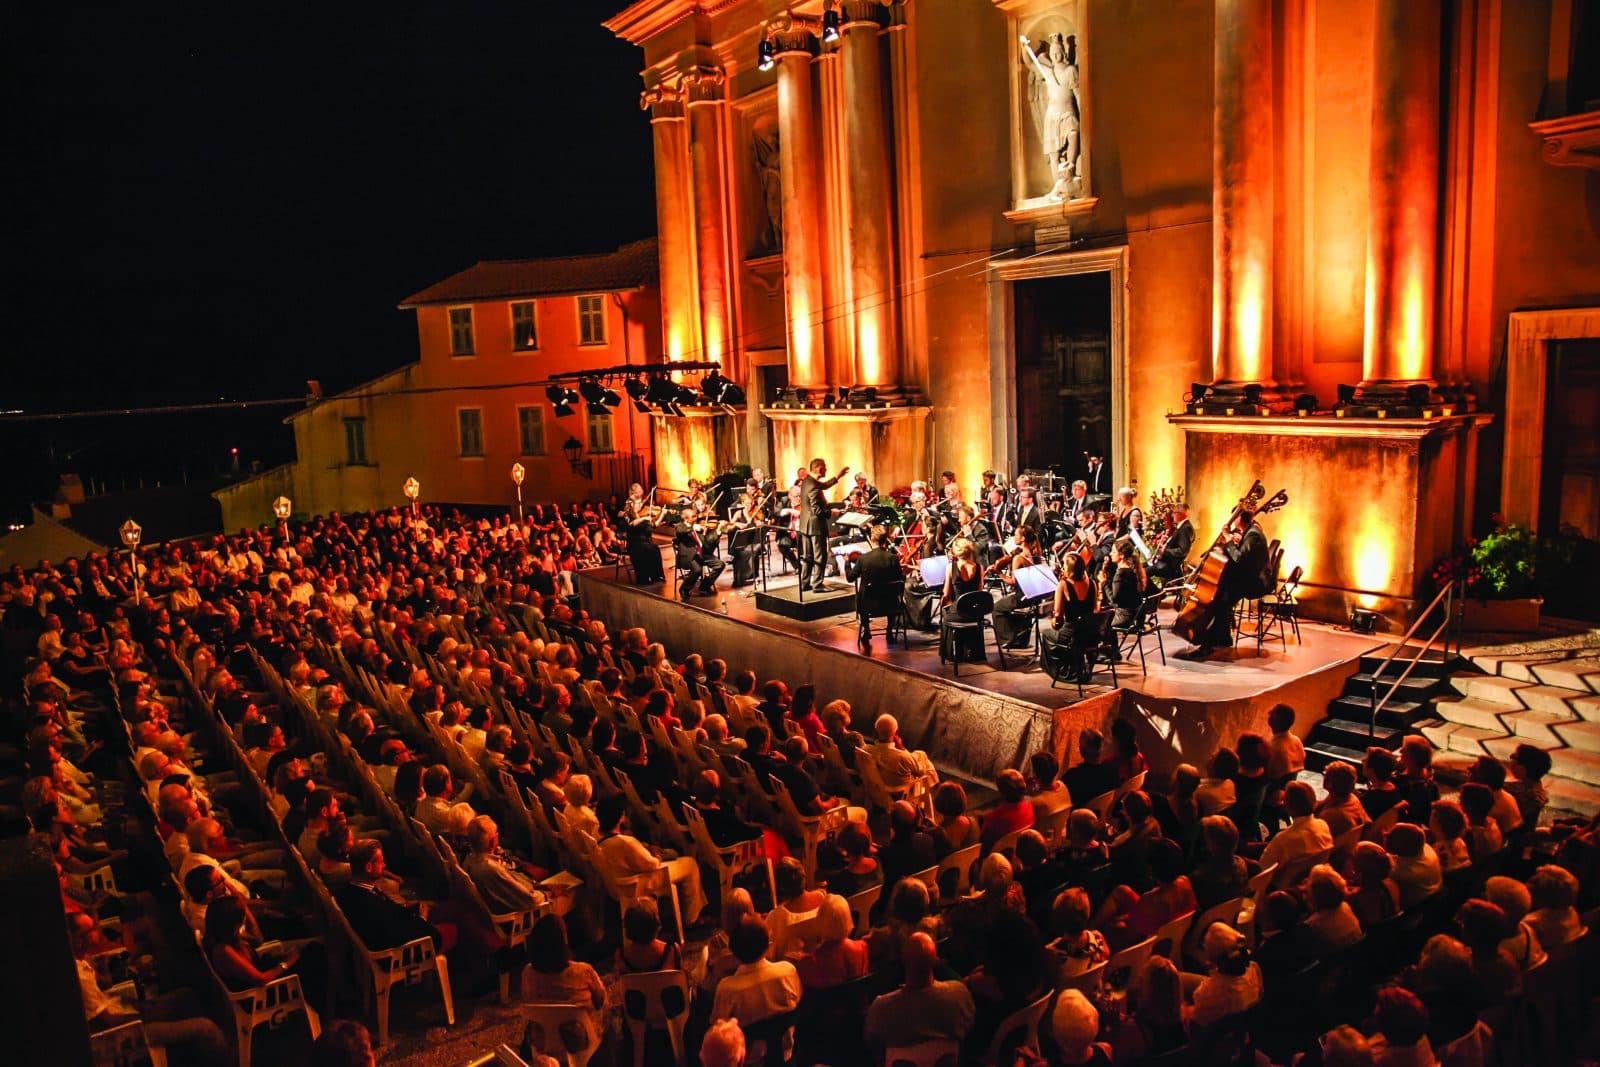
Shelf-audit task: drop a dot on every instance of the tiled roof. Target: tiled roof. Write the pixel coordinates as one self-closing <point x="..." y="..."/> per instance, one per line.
<point x="628" y="267"/>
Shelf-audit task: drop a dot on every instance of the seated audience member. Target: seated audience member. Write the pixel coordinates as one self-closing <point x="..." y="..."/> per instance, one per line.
<point x="910" y="911"/>
<point x="556" y="978"/>
<point x="1128" y="917"/>
<point x="1375" y="898"/>
<point x="1447" y="826"/>
<point x="795" y="904"/>
<point x="1553" y="892"/>
<point x="723" y="1045"/>
<point x="1089" y="778"/>
<point x="898" y="768"/>
<point x="1305" y="835"/>
<point x="642" y="949"/>
<point x="1402" y="1037"/>
<point x="1046" y="792"/>
<point x="1482" y="927"/>
<point x="1444" y="980"/>
<point x="240" y="964"/>
<point x="579" y="813"/>
<point x="1082" y="946"/>
<point x="1283" y="940"/>
<point x="1514" y="900"/>
<point x="1232" y="982"/>
<point x="1378" y="770"/>
<point x="1415" y="779"/>
<point x="1012" y="813"/>
<point x="1178" y="813"/>
<point x="859" y="870"/>
<point x="720" y="961"/>
<point x="838" y="958"/>
<point x="1416" y="866"/>
<point x="381" y="919"/>
<point x="434" y="810"/>
<point x="923" y="1008"/>
<point x="836" y="717"/>
<point x="1491" y="773"/>
<point x="759" y="988"/>
<point x="1340" y="809"/>
<point x="1013" y="971"/>
<point x="954" y="829"/>
<point x="1251" y="785"/>
<point x="1156" y="1026"/>
<point x="1216" y="793"/>
<point x="1332" y="922"/>
<point x="719" y="738"/>
<point x="503" y="886"/>
<point x="1086" y="848"/>
<point x="1038" y="874"/>
<point x="1483" y="833"/>
<point x="1286" y="755"/>
<point x="911" y="845"/>
<point x="1529" y="765"/>
<point x="628" y="856"/>
<point x="1125" y="759"/>
<point x="1221" y="873"/>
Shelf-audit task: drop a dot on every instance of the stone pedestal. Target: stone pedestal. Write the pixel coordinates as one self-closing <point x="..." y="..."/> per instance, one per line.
<point x="890" y="444"/>
<point x="1373" y="503"/>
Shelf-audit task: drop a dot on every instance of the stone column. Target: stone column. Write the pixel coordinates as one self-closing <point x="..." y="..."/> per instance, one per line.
<point x="1403" y="210"/>
<point x="680" y="316"/>
<point x="1242" y="196"/>
<point x="707" y="115"/>
<point x="871" y="235"/>
<point x="794" y="48"/>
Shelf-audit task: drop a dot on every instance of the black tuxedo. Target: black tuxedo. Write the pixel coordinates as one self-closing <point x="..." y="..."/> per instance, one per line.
<point x="876" y="570"/>
<point x="1029" y="516"/>
<point x="1098" y="478"/>
<point x="1170" y="560"/>
<point x="1072" y="507"/>
<point x="698" y="558"/>
<point x="815" y="518"/>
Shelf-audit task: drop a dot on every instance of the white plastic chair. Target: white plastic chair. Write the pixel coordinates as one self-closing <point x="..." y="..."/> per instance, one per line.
<point x="644" y="1008"/>
<point x="924" y="1054"/>
<point x="544" y="1030"/>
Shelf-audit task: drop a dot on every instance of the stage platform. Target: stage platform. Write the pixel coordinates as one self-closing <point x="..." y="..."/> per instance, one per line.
<point x="991" y="718"/>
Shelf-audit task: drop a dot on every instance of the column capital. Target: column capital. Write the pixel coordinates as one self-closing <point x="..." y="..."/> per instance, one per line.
<point x="853" y="12"/>
<point x="705" y="85"/>
<point x="792" y="35"/>
<point x="664" y="102"/>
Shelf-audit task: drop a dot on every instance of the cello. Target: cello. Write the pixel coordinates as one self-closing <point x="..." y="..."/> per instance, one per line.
<point x="1195" y="619"/>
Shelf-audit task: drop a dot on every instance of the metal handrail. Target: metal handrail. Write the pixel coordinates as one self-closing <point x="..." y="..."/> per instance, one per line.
<point x="1450" y="595"/>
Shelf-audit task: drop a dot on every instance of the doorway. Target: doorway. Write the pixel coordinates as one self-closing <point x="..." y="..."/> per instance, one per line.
<point x="1569" y="481"/>
<point x="1063" y="379"/>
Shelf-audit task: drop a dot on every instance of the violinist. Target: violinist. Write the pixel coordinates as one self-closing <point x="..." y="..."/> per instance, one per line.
<point x="1011" y="620"/>
<point x="1169" y="562"/>
<point x="1072" y="622"/>
<point x="1128" y="583"/>
<point x="642" y="551"/>
<point x="873" y="571"/>
<point x="697" y="557"/>
<point x="863" y="494"/>
<point x="763" y="485"/>
<point x="747" y="538"/>
<point x="789" y="534"/>
<point x="964" y="576"/>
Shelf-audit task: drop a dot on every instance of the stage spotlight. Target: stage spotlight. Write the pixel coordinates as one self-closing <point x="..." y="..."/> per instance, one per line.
<point x="830" y="24"/>
<point x="661" y="391"/>
<point x="764" y="59"/>
<point x="1198" y="391"/>
<point x="801" y="397"/>
<point x="609" y="398"/>
<point x="1364" y="620"/>
<point x="1252" y="394"/>
<point x="732" y="394"/>
<point x="563" y="410"/>
<point x="1305" y="402"/>
<point x="634" y="388"/>
<point x="1347" y="395"/>
<point x="711" y="385"/>
<point x="641" y="407"/>
<point x="556" y="394"/>
<point x="591" y="391"/>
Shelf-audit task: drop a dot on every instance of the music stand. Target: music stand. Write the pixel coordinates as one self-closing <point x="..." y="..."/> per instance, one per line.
<point x="934" y="570"/>
<point x="1035" y="582"/>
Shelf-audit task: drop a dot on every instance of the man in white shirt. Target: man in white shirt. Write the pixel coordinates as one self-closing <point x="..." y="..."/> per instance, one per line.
<point x="627" y="856"/>
<point x="1305" y="835"/>
<point x="742" y="703"/>
<point x="433" y="810"/>
<point x="198" y="1037"/>
<point x="898" y="768"/>
<point x="759" y="988"/>
<point x="503" y="889"/>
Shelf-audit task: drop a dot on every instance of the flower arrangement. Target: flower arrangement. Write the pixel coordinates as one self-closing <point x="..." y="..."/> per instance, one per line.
<point x="1505" y="560"/>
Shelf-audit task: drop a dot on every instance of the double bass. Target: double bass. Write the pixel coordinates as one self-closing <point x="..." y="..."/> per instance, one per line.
<point x="1195" y="619"/>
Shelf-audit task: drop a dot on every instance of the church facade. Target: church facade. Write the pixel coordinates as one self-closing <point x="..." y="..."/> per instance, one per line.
<point x="1338" y="247"/>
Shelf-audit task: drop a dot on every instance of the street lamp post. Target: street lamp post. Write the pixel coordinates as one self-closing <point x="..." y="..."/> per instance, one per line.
<point x="282" y="507"/>
<point x="412" y="488"/>
<point x="130" y="532"/>
<point x="518" y="472"/>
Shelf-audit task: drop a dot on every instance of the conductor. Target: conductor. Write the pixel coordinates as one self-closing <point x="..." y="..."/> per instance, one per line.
<point x="815" y="519"/>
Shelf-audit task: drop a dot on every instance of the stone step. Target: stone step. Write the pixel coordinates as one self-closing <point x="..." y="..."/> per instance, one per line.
<point x="1519" y="667"/>
<point x="1354" y="735"/>
<point x="1580" y="798"/>
<point x="1489" y="688"/>
<point x="1502" y="747"/>
<point x="1321" y="753"/>
<point x="1538" y="727"/>
<point x="1586" y="707"/>
<point x="1582" y="674"/>
<point x="1413" y="688"/>
<point x="1479" y="714"/>
<point x="1468" y="740"/>
<point x="1579" y="734"/>
<point x="1397" y="712"/>
<point x="1576" y="764"/>
<point x="1550" y="698"/>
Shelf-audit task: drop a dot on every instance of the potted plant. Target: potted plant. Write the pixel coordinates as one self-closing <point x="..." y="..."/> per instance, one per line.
<point x="1501" y="594"/>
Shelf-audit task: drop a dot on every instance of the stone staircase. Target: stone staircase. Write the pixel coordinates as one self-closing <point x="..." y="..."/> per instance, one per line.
<point x="1349" y="731"/>
<point x="1543" y="693"/>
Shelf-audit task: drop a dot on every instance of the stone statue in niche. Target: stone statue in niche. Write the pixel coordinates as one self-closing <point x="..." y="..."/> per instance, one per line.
<point x="769" y="170"/>
<point x="1053" y="92"/>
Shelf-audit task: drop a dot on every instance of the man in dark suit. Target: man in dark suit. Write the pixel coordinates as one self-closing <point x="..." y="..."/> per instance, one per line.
<point x="698" y="558"/>
<point x="815" y="518"/>
<point x="1097" y="477"/>
<point x="378" y="919"/>
<point x="876" y="570"/>
<point x="1244" y="578"/>
<point x="1076" y="503"/>
<point x="1169" y="562"/>
<point x="1028" y="510"/>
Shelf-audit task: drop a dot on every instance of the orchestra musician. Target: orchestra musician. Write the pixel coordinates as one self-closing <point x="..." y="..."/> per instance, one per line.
<point x="1244" y="578"/>
<point x="1128" y="583"/>
<point x="697" y="555"/>
<point x="815" y="518"/>
<point x="747" y="538"/>
<point x="1073" y="625"/>
<point x="875" y="570"/>
<point x="964" y="576"/>
<point x="642" y="551"/>
<point x="1096" y="477"/>
<point x="789" y="535"/>
<point x="763" y="485"/>
<point x="1011" y="621"/>
<point x="1129" y="517"/>
<point x="1169" y="562"/>
<point x="1028" y="514"/>
<point x="863" y="494"/>
<point x="1077" y="502"/>
<point x="695" y="497"/>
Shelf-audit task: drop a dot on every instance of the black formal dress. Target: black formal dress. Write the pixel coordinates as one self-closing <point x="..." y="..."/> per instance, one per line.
<point x="642" y="550"/>
<point x="968" y="642"/>
<point x="1064" y="645"/>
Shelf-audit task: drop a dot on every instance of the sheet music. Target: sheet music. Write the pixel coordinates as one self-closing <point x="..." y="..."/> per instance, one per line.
<point x="853" y="518"/>
<point x="1138" y="542"/>
<point x="934" y="569"/>
<point x="841" y="551"/>
<point x="1036" y="581"/>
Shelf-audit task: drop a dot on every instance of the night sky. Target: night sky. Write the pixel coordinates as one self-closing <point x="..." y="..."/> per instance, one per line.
<point x="223" y="200"/>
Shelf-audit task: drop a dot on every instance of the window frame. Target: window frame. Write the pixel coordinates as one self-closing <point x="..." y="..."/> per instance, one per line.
<point x="589" y="423"/>
<point x="600" y="301"/>
<point x="472" y="331"/>
<point x="460" y="438"/>
<point x="351" y="460"/>
<point x="533" y="324"/>
<point x="522" y="435"/>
